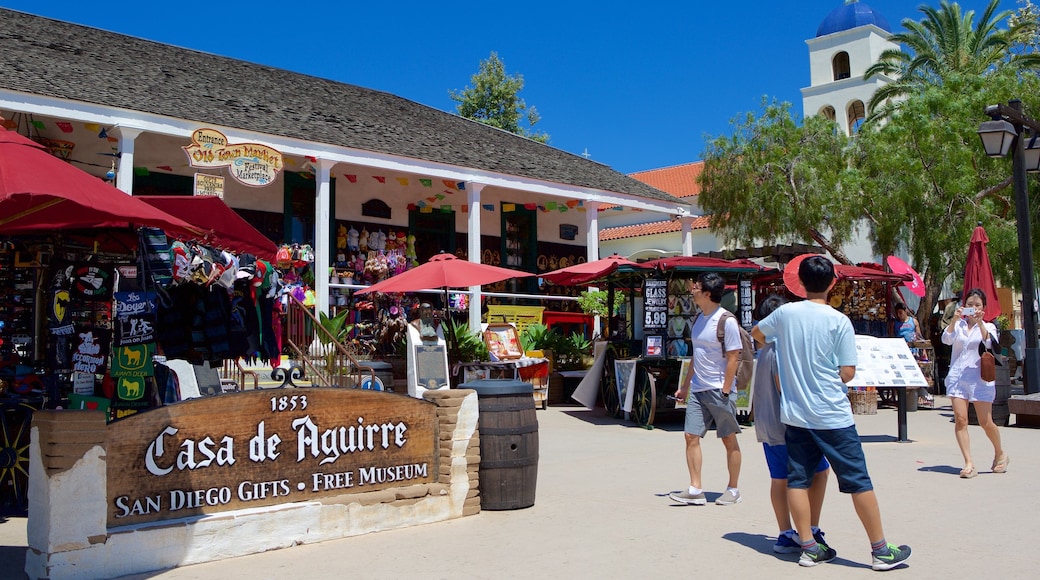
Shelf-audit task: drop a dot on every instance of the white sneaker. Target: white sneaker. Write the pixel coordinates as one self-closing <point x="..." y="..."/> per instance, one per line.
<point x="729" y="498"/>
<point x="689" y="499"/>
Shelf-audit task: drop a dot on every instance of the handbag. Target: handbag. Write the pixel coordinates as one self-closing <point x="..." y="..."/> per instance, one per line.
<point x="988" y="364"/>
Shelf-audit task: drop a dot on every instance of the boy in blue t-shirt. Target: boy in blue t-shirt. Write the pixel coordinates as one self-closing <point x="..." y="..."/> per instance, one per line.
<point x="769" y="431"/>
<point x="816" y="355"/>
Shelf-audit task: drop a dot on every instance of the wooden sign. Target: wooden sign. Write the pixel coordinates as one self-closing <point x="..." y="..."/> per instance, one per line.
<point x="250" y="164"/>
<point x="212" y="185"/>
<point x="266" y="447"/>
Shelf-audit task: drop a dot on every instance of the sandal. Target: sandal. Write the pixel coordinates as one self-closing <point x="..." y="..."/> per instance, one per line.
<point x="1000" y="464"/>
<point x="969" y="473"/>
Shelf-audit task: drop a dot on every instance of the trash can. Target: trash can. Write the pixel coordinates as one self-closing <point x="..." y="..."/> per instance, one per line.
<point x="508" y="428"/>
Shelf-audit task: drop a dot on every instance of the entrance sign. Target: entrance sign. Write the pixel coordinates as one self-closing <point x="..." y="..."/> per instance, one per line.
<point x="250" y="164"/>
<point x="267" y="447"/>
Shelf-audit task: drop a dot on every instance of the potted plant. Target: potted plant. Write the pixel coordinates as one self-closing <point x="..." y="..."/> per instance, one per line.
<point x="469" y="344"/>
<point x="334" y="331"/>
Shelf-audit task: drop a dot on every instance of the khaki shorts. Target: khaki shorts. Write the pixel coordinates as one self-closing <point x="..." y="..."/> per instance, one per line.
<point x="709" y="409"/>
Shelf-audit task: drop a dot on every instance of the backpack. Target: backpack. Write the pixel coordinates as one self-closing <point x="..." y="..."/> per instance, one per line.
<point x="746" y="360"/>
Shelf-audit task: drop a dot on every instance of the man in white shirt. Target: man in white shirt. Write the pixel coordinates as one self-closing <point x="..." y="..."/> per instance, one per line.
<point x="707" y="393"/>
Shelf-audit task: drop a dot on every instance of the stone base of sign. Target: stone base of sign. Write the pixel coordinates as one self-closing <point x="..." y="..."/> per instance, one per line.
<point x="68" y="536"/>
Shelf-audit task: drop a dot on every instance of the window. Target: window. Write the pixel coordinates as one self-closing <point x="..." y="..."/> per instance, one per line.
<point x="856" y="114"/>
<point x="840" y="66"/>
<point x="827" y="112"/>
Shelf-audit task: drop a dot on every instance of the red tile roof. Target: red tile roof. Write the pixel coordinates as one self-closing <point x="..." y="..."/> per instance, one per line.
<point x="679" y="180"/>
<point x="649" y="229"/>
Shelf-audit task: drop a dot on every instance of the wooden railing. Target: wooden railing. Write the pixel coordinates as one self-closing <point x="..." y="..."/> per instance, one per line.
<point x="325" y="361"/>
<point x="234" y="371"/>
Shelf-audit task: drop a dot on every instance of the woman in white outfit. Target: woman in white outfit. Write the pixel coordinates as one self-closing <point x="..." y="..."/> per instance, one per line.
<point x="964" y="382"/>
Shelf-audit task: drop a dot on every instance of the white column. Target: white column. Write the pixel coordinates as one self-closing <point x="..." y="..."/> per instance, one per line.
<point x="125" y="171"/>
<point x="592" y="243"/>
<point x="686" y="220"/>
<point x="473" y="250"/>
<point x="591" y="231"/>
<point x="322" y="233"/>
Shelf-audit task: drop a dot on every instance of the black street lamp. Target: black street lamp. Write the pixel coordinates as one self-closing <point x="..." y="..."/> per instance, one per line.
<point x="999" y="135"/>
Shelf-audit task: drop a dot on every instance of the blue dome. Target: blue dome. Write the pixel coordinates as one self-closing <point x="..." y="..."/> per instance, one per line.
<point x="851" y="15"/>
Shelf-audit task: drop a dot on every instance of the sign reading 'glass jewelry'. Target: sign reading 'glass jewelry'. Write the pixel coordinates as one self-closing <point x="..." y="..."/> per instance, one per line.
<point x="260" y="448"/>
<point x="250" y="164"/>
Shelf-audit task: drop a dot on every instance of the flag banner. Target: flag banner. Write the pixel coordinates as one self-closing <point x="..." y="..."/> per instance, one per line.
<point x="402" y="180"/>
<point x="507" y="207"/>
<point x="426" y="182"/>
<point x="351" y="178"/>
<point x="379" y="178"/>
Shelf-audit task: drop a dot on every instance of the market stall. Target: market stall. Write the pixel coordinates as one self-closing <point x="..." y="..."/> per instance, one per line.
<point x="646" y="352"/>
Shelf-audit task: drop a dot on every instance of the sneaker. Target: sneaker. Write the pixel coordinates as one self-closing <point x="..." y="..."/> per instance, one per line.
<point x="817" y="535"/>
<point x="822" y="555"/>
<point x="689" y="499"/>
<point x="896" y="555"/>
<point x="785" y="543"/>
<point x="729" y="498"/>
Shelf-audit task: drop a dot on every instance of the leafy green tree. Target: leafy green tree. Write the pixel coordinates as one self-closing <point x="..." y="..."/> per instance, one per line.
<point x="774" y="181"/>
<point x="947" y="43"/>
<point x="494" y="99"/>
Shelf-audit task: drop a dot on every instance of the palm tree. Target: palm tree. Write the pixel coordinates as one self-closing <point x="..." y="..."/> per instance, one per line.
<point x="945" y="44"/>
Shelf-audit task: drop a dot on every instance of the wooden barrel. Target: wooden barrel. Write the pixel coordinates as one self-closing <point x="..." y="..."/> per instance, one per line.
<point x="508" y="428"/>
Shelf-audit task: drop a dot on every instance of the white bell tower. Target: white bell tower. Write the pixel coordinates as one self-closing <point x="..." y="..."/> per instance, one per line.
<point x="848" y="41"/>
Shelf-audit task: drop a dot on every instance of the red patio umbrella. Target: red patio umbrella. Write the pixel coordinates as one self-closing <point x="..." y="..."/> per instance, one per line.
<point x="586" y="272"/>
<point x="229" y="230"/>
<point x="39" y="193"/>
<point x="443" y="271"/>
<point x="978" y="274"/>
<point x="898" y="266"/>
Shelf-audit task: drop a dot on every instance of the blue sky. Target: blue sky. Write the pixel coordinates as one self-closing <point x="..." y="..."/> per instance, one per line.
<point x="638" y="86"/>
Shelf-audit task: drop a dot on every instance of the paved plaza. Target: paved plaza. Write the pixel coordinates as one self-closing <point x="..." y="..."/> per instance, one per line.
<point x="601" y="512"/>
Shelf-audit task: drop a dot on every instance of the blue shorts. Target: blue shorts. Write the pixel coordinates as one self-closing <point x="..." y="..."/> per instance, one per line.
<point x="841" y="447"/>
<point x="776" y="459"/>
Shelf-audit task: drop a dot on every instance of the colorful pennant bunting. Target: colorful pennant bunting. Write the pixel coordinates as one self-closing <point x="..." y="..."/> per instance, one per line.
<point x="403" y="181"/>
<point x="426" y="182"/>
<point x="351" y="178"/>
<point x="65" y="126"/>
<point x="379" y="178"/>
<point x="508" y="207"/>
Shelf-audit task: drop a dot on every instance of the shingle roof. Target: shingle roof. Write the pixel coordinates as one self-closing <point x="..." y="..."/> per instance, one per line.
<point x="649" y="229"/>
<point x="48" y="57"/>
<point x="678" y="180"/>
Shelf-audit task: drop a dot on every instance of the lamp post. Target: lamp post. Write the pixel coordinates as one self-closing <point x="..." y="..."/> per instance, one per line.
<point x="1004" y="131"/>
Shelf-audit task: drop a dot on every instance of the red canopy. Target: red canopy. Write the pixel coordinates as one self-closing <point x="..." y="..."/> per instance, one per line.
<point x="841" y="272"/>
<point x="702" y="263"/>
<point x="587" y="271"/>
<point x="39" y="193"/>
<point x="443" y="271"/>
<point x="979" y="274"/>
<point x="208" y="212"/>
